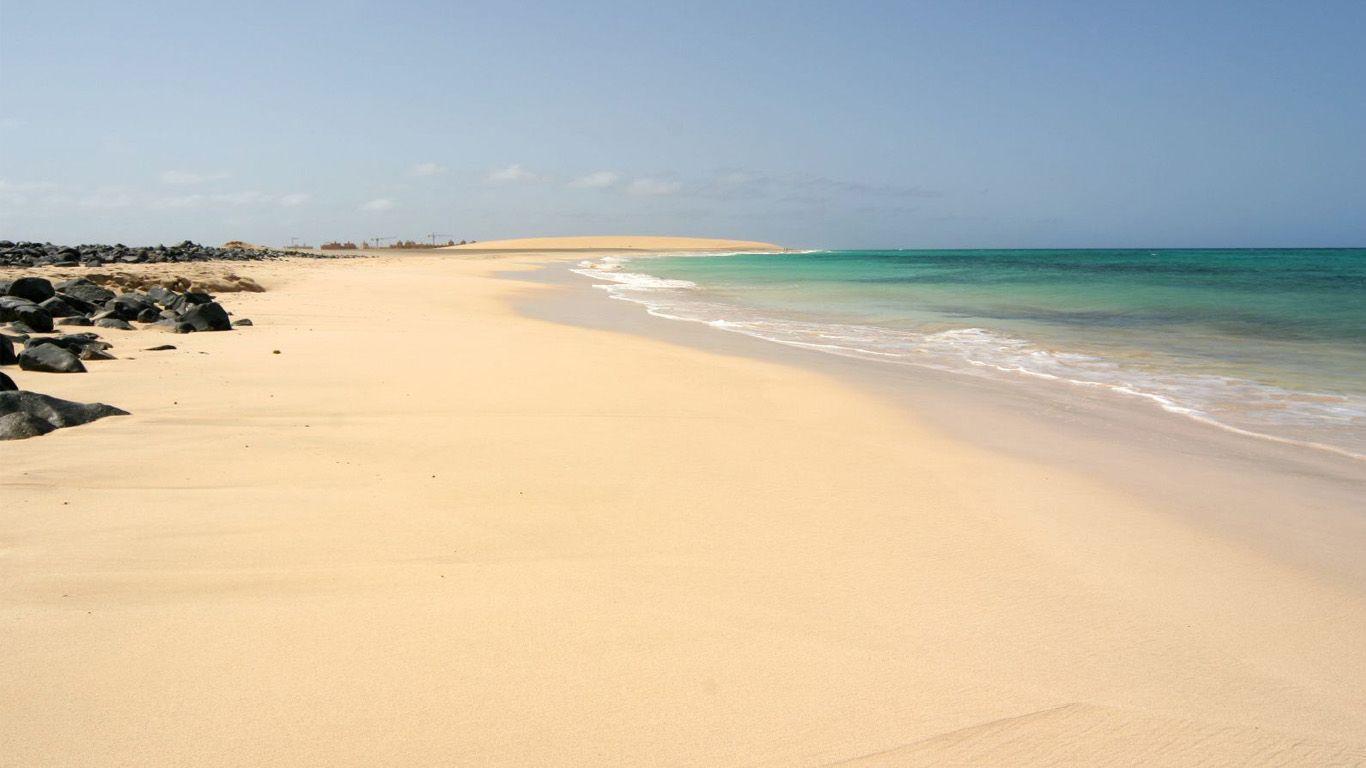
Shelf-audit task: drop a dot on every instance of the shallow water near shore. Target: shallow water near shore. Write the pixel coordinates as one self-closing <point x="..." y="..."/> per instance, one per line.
<point x="1271" y="343"/>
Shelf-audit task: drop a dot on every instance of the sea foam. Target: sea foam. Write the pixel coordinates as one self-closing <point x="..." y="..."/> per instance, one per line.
<point x="1242" y="406"/>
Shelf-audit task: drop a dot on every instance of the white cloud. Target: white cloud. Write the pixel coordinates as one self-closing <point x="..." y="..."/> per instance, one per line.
<point x="801" y="187"/>
<point x="240" y="198"/>
<point x="107" y="197"/>
<point x="511" y="173"/>
<point x="22" y="194"/>
<point x="228" y="199"/>
<point x="188" y="177"/>
<point x="17" y="194"/>
<point x="378" y="204"/>
<point x="653" y="187"/>
<point x="597" y="180"/>
<point x="427" y="169"/>
<point x="117" y="145"/>
<point x="27" y="186"/>
<point x="182" y="201"/>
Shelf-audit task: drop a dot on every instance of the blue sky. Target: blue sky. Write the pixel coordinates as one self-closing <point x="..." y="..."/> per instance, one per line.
<point x="850" y="124"/>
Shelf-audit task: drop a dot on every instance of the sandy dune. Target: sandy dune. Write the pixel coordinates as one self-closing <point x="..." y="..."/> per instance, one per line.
<point x="475" y="538"/>
<point x="615" y="243"/>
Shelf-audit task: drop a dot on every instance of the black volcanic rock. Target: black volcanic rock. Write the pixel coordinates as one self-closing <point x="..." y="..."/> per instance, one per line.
<point x="81" y="306"/>
<point x="49" y="358"/>
<point x="207" y="317"/>
<point x="35" y="289"/>
<point x="36" y="318"/>
<point x="21" y="310"/>
<point x="95" y="353"/>
<point x="128" y="306"/>
<point x="27" y="254"/>
<point x="86" y="291"/>
<point x="29" y="305"/>
<point x="79" y="344"/>
<point x="58" y="307"/>
<point x="29" y="414"/>
<point x="184" y="301"/>
<point x="160" y="294"/>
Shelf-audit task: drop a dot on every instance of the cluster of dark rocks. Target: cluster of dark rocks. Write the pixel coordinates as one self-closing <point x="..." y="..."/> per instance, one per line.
<point x="34" y="305"/>
<point x="25" y="254"/>
<point x="32" y="309"/>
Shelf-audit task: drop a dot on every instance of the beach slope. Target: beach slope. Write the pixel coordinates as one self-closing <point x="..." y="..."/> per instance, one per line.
<point x="355" y="536"/>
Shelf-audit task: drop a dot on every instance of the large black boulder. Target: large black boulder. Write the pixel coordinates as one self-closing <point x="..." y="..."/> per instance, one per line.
<point x="7" y="384"/>
<point x="160" y="294"/>
<point x="207" y="317"/>
<point x="29" y="414"/>
<point x="36" y="318"/>
<point x="35" y="289"/>
<point x="184" y="301"/>
<point x="57" y="307"/>
<point x="85" y="291"/>
<point x="9" y="305"/>
<point x="7" y="356"/>
<point x="75" y="343"/>
<point x="21" y="310"/>
<point x="127" y="306"/>
<point x="49" y="358"/>
<point x="80" y="305"/>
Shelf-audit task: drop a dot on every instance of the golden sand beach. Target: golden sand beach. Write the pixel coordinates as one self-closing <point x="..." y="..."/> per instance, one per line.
<point x="434" y="530"/>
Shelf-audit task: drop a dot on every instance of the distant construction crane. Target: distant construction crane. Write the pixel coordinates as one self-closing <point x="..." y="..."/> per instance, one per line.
<point x="378" y="240"/>
<point x="433" y="236"/>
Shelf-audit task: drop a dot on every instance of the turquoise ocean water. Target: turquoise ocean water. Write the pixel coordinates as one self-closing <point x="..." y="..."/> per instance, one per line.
<point x="1269" y="342"/>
